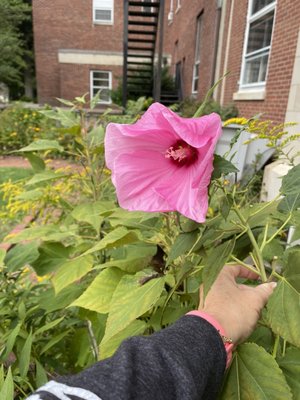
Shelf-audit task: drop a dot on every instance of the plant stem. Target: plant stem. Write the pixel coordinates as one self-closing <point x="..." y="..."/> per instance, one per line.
<point x="93" y="340"/>
<point x="249" y="267"/>
<point x="264" y="241"/>
<point x="276" y="344"/>
<point x="258" y="256"/>
<point x="283" y="348"/>
<point x="279" y="230"/>
<point x="200" y="110"/>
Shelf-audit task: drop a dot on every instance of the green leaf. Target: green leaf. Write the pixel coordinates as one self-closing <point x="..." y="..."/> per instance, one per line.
<point x="290" y="365"/>
<point x="133" y="219"/>
<point x="182" y="243"/>
<point x="90" y="213"/>
<point x="225" y="206"/>
<point x="214" y="262"/>
<point x="95" y="137"/>
<point x="131" y="300"/>
<point x="118" y="237"/>
<point x="46" y="176"/>
<point x="291" y="182"/>
<point x="48" y="326"/>
<point x="46" y="233"/>
<point x="24" y="360"/>
<point x="40" y="375"/>
<point x="1" y="376"/>
<point x="95" y="100"/>
<point x="98" y="295"/>
<point x="10" y="342"/>
<point x="107" y="348"/>
<point x="67" y="118"/>
<point x="284" y="312"/>
<point x="289" y="203"/>
<point x="42" y="145"/>
<point x="249" y="376"/>
<point x="71" y="271"/>
<point x="65" y="102"/>
<point x="2" y="257"/>
<point x="292" y="269"/>
<point x="49" y="302"/>
<point x="20" y="255"/>
<point x="53" y="341"/>
<point x="36" y="162"/>
<point x="222" y="167"/>
<point x="7" y="390"/>
<point x="51" y="257"/>
<point x="275" y="248"/>
<point x="30" y="195"/>
<point x="132" y="257"/>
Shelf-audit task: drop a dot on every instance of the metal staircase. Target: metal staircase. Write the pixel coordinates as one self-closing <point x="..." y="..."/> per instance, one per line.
<point x="142" y="21"/>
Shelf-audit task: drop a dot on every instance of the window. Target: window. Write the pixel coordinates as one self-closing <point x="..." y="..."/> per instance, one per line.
<point x="197" y="55"/>
<point x="257" y="44"/>
<point x="101" y="81"/>
<point x="103" y="11"/>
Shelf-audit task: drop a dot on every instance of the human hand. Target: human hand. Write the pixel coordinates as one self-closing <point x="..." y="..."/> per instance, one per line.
<point x="236" y="306"/>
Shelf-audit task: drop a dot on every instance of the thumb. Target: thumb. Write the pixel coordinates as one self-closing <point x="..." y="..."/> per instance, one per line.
<point x="265" y="290"/>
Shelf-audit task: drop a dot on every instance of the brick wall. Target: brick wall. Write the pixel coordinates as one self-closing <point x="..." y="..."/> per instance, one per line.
<point x="182" y="31"/>
<point x="281" y="60"/>
<point x="75" y="78"/>
<point x="68" y="24"/>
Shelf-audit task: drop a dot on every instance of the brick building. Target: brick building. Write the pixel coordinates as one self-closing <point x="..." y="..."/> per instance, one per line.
<point x="79" y="48"/>
<point x="256" y="40"/>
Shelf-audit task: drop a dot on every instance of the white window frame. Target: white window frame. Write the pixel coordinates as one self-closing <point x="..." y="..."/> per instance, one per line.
<point x="96" y="7"/>
<point x="263" y="51"/>
<point x="199" y="22"/>
<point x="92" y="86"/>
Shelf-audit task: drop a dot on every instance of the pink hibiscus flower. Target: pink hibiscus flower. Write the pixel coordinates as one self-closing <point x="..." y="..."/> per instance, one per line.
<point x="163" y="162"/>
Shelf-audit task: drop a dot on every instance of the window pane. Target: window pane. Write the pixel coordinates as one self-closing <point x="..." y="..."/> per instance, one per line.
<point x="195" y="85"/>
<point x="256" y="69"/>
<point x="98" y="82"/>
<point x="105" y="95"/>
<point x="259" y="4"/>
<point x="100" y="75"/>
<point x="103" y="15"/>
<point x="260" y="33"/>
<point x="198" y="38"/>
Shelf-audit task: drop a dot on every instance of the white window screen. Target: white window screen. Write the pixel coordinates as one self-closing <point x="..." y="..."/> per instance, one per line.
<point x="101" y="81"/>
<point x="103" y="11"/>
<point x="258" y="43"/>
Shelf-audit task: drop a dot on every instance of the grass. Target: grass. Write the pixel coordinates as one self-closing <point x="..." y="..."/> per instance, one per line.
<point x="14" y="174"/>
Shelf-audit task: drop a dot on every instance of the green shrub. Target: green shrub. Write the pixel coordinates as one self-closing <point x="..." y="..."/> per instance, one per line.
<point x="189" y="106"/>
<point x="99" y="274"/>
<point x="19" y="126"/>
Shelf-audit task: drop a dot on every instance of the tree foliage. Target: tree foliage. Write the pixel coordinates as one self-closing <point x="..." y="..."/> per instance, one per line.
<point x="13" y="44"/>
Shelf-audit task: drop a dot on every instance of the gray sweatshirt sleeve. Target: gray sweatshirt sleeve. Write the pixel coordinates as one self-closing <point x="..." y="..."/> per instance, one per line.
<point x="184" y="361"/>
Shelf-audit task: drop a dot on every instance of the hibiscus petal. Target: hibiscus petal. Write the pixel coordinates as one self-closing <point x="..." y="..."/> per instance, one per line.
<point x="195" y="131"/>
<point x="181" y="196"/>
<point x="136" y="177"/>
<point x="122" y="138"/>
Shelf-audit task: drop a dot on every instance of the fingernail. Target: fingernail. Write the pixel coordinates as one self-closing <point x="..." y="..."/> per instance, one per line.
<point x="273" y="285"/>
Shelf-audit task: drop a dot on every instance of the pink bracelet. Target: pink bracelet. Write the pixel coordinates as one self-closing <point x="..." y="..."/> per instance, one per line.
<point x="228" y="343"/>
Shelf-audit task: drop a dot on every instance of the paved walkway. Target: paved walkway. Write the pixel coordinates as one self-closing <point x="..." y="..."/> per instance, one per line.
<point x="20" y="162"/>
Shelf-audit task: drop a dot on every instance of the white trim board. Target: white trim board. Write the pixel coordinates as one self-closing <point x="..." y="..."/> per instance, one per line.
<point x="95" y="58"/>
